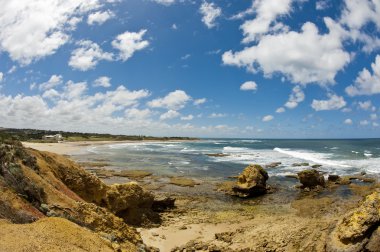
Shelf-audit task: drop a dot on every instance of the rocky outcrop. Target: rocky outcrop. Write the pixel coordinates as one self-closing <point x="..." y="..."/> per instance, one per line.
<point x="128" y="201"/>
<point x="251" y="182"/>
<point x="311" y="178"/>
<point x="35" y="185"/>
<point x="359" y="229"/>
<point x="50" y="234"/>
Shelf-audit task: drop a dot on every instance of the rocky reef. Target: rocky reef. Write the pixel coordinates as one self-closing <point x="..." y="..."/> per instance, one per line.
<point x="35" y="185"/>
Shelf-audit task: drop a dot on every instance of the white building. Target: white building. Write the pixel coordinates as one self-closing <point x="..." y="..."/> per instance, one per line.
<point x="57" y="137"/>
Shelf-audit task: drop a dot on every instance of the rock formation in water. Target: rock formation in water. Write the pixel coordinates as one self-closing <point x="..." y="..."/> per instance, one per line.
<point x="311" y="178"/>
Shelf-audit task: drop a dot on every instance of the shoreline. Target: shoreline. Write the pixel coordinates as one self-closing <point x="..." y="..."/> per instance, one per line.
<point x="202" y="219"/>
<point x="72" y="148"/>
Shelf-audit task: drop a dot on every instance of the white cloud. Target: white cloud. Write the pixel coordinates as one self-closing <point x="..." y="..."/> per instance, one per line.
<point x="72" y="107"/>
<point x="74" y="90"/>
<point x="88" y="55"/>
<point x="54" y="81"/>
<point x="334" y="102"/>
<point x="267" y="118"/>
<point x="267" y="11"/>
<point x="99" y="17"/>
<point x="375" y="124"/>
<point x="1" y="77"/>
<point x="367" y="83"/>
<point x="165" y="2"/>
<point x="248" y="85"/>
<point x="322" y="5"/>
<point x="185" y="57"/>
<point x="296" y="97"/>
<point x="199" y="101"/>
<point x="364" y="123"/>
<point x="173" y="101"/>
<point x="135" y="113"/>
<point x="30" y="30"/>
<point x="280" y="110"/>
<point x="373" y="117"/>
<point x="346" y="110"/>
<point x="12" y="69"/>
<point x="366" y="105"/>
<point x="357" y="13"/>
<point x="187" y="118"/>
<point x="102" y="81"/>
<point x="348" y="121"/>
<point x="129" y="42"/>
<point x="174" y="27"/>
<point x="51" y="94"/>
<point x="124" y="97"/>
<point x="303" y="57"/>
<point x="171" y="114"/>
<point x="217" y="115"/>
<point x="210" y="12"/>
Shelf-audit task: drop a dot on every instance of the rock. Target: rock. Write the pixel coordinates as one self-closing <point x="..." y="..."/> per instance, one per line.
<point x="183" y="182"/>
<point x="362" y="178"/>
<point x="300" y="164"/>
<point x="225" y="236"/>
<point x="133" y="174"/>
<point x="333" y="178"/>
<point x="311" y="178"/>
<point x="294" y="176"/>
<point x="273" y="165"/>
<point x="353" y="230"/>
<point x="316" y="166"/>
<point x="374" y="241"/>
<point x="217" y="155"/>
<point x="251" y="182"/>
<point x="161" y="203"/>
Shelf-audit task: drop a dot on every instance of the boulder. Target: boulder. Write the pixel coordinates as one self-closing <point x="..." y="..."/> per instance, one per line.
<point x="311" y="178"/>
<point x="358" y="228"/>
<point x="300" y="164"/>
<point x="374" y="242"/>
<point x="162" y="203"/>
<point x="273" y="165"/>
<point x="251" y="182"/>
<point x="333" y="178"/>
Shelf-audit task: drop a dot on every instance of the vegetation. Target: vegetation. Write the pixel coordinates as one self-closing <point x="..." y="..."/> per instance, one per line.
<point x="35" y="135"/>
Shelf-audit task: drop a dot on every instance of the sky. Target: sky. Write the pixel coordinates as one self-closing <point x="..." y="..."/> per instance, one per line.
<point x="200" y="68"/>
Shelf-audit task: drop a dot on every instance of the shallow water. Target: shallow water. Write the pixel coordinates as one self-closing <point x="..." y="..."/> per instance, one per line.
<point x="340" y="157"/>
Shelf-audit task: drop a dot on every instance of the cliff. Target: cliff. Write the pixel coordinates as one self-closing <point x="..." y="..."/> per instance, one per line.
<point x="44" y="188"/>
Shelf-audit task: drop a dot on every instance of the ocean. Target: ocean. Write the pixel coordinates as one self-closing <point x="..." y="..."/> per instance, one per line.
<point x="341" y="157"/>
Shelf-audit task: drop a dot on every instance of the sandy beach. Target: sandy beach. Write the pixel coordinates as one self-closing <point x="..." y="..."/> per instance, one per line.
<point x="67" y="148"/>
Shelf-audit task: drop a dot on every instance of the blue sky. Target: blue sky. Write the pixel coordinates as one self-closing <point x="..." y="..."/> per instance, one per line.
<point x="221" y="68"/>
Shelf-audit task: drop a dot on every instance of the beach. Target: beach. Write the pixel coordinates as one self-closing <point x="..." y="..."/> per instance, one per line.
<point x="204" y="217"/>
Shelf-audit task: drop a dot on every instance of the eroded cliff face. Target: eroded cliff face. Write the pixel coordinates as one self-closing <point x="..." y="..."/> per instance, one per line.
<point x="35" y="185"/>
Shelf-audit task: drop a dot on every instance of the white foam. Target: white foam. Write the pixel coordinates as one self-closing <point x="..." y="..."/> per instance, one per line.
<point x="229" y="149"/>
<point x="319" y="158"/>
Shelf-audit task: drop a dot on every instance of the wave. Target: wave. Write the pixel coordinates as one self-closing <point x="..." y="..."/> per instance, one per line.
<point x="229" y="149"/>
<point x="319" y="158"/>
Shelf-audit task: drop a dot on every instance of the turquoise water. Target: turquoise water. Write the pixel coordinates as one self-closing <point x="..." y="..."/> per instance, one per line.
<point x="340" y="157"/>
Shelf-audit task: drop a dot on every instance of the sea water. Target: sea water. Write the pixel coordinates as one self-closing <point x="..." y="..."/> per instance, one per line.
<point x="189" y="158"/>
